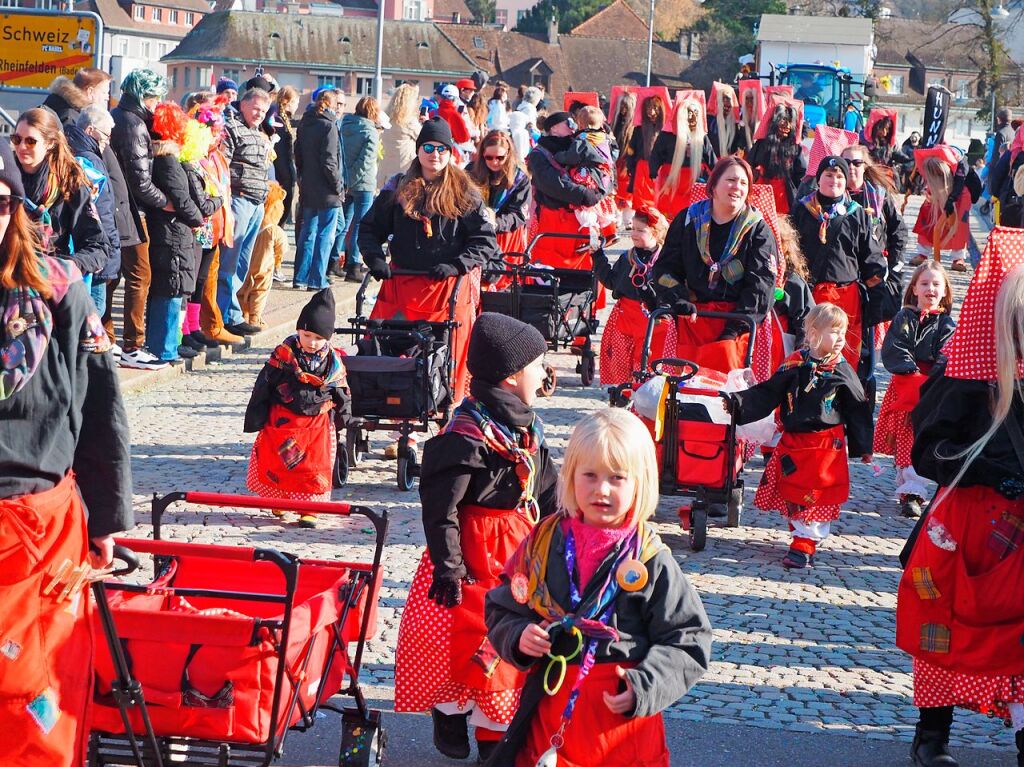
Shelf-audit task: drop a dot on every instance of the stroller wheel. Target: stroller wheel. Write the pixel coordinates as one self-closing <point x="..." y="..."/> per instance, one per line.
<point x="408" y="468"/>
<point x="340" y="468"/>
<point x="735" y="509"/>
<point x="587" y="368"/>
<point x="698" y="528"/>
<point x="547" y="388"/>
<point x="354" y="445"/>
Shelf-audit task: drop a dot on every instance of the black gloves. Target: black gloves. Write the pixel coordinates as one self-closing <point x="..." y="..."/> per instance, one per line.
<point x="682" y="307"/>
<point x="446" y="590"/>
<point x="379" y="268"/>
<point x="950" y="207"/>
<point x="442" y="271"/>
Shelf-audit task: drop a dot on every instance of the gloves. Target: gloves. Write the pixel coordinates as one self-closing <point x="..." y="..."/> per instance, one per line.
<point x="950" y="207"/>
<point x="682" y="307"/>
<point x="441" y="271"/>
<point x="447" y="590"/>
<point x="379" y="269"/>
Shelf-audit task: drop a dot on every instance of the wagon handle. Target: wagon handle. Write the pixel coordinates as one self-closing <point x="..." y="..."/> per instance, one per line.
<point x="689" y="367"/>
<point x="665" y="311"/>
<point x="127" y="556"/>
<point x="601" y="241"/>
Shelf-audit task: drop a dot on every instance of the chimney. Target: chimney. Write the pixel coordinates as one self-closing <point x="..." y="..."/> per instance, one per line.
<point x="552" y="31"/>
<point x="456" y="17"/>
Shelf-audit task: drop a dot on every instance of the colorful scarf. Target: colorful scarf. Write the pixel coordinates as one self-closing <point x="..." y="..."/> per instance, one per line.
<point x="471" y="419"/>
<point x="874" y="201"/>
<point x="41" y="210"/>
<point x="726" y="267"/>
<point x="821" y="370"/>
<point x="288" y="355"/>
<point x="841" y="207"/>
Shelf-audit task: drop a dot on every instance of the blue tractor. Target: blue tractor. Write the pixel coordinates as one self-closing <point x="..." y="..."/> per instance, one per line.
<point x="830" y="95"/>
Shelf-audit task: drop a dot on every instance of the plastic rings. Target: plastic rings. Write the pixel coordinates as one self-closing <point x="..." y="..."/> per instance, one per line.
<point x="579" y="644"/>
<point x="556" y="660"/>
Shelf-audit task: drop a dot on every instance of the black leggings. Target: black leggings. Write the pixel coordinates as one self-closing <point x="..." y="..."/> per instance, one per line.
<point x="204" y="271"/>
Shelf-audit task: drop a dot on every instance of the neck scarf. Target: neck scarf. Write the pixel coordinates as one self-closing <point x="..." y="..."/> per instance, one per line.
<point x="874" y="200"/>
<point x="820" y="369"/>
<point x="841" y="207"/>
<point x="322" y="368"/>
<point x="726" y="267"/>
<point x="40" y="207"/>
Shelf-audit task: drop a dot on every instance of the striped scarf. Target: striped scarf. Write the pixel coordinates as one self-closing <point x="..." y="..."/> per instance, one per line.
<point x="841" y="207"/>
<point x="726" y="267"/>
<point x="288" y="355"/>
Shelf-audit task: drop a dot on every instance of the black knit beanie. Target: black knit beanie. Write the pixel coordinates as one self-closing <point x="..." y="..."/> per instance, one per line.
<point x="833" y="162"/>
<point x="435" y="131"/>
<point x="318" y="315"/>
<point x="10" y="174"/>
<point x="259" y="81"/>
<point x="554" y="118"/>
<point x="500" y="346"/>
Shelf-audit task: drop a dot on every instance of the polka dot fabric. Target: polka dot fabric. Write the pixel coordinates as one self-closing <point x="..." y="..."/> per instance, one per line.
<point x="971" y="350"/>
<point x="935" y="686"/>
<point x="623" y="339"/>
<point x="894" y="434"/>
<point x="767" y="498"/>
<point x="829" y="141"/>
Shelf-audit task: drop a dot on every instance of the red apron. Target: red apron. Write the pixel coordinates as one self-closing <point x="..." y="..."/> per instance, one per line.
<point x="778" y="185"/>
<point x="959" y="605"/>
<point x="698" y="341"/>
<point x="623" y="341"/>
<point x="563" y="252"/>
<point x="514" y="241"/>
<point x="595" y="736"/>
<point x="293" y="452"/>
<point x="408" y="297"/>
<point x="671" y="204"/>
<point x="807" y="476"/>
<point x="622" y="197"/>
<point x="925" y="230"/>
<point x="643" y="185"/>
<point x="46" y="644"/>
<point x="894" y="434"/>
<point x="847" y="298"/>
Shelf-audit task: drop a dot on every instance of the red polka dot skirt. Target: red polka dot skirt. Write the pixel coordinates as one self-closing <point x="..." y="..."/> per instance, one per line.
<point x="894" y="433"/>
<point x="935" y="686"/>
<point x="258" y="487"/>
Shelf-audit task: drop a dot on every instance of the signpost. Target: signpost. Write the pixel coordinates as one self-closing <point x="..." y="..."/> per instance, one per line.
<point x="41" y="45"/>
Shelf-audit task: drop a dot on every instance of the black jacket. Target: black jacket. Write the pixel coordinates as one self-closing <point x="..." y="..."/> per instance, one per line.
<point x="739" y="140"/>
<point x="131" y="142"/>
<point x="284" y="159"/>
<point x="797" y="300"/>
<point x="681" y="273"/>
<point x="84" y="145"/>
<point x="126" y="215"/>
<point x="246" y="150"/>
<point x="466" y="242"/>
<point x="838" y="399"/>
<point x="952" y="414"/>
<point x="552" y="187"/>
<point x="318" y="160"/>
<point x="850" y="252"/>
<point x="172" y="243"/>
<point x="665" y="146"/>
<point x="617" y="277"/>
<point x="911" y="341"/>
<point x="891" y="234"/>
<point x="662" y="628"/>
<point x="75" y="221"/>
<point x="458" y="470"/>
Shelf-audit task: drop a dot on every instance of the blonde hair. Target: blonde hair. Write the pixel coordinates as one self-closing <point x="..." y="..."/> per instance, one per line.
<point x="940" y="183"/>
<point x="824" y="317"/>
<point x="909" y="299"/>
<point x="590" y="118"/>
<point x="726" y="126"/>
<point x="621" y="442"/>
<point x="685" y="138"/>
<point x="404" y="106"/>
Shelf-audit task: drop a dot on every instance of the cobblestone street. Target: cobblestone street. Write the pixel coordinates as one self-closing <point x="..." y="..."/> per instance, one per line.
<point x="805" y="651"/>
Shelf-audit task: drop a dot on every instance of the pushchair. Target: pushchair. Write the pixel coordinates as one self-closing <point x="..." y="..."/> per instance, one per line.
<point x="402" y="379"/>
<point x="696" y="456"/>
<point x="558" y="302"/>
<point x="228" y="648"/>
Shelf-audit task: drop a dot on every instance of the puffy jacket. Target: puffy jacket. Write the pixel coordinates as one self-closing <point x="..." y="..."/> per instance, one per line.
<point x="318" y="160"/>
<point x="65" y="100"/>
<point x="552" y="186"/>
<point x="83" y="145"/>
<point x="172" y="245"/>
<point x="361" y="144"/>
<point x="126" y="215"/>
<point x="247" y="150"/>
<point x="133" y="147"/>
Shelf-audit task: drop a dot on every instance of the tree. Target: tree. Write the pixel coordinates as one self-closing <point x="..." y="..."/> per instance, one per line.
<point x="727" y="32"/>
<point x="670" y="16"/>
<point x="569" y="14"/>
<point x="483" y="10"/>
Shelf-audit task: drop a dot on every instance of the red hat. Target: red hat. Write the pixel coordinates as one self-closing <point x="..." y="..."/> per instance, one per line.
<point x="828" y="141"/>
<point x="774" y="100"/>
<point x="971" y="352"/>
<point x="946" y="153"/>
<point x="466" y="83"/>
<point x="589" y="98"/>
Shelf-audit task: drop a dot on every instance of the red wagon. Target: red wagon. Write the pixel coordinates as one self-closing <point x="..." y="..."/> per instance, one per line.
<point x="226" y="649"/>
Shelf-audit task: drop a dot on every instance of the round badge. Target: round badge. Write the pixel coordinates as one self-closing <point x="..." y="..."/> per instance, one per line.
<point x="520" y="588"/>
<point x="12" y="355"/>
<point x="16" y="326"/>
<point x="631" y="575"/>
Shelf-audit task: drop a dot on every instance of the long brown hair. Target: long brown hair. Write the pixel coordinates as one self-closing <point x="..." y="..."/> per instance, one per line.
<point x="650" y="130"/>
<point x="69" y="174"/>
<point x="909" y="299"/>
<point x="368" y="107"/>
<point x="789" y="245"/>
<point x="451" y="195"/>
<point x="877" y="177"/>
<point x="481" y="173"/>
<point x="19" y="262"/>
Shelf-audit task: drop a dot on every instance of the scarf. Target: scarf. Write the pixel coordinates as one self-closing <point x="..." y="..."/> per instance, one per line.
<point x="319" y="369"/>
<point x="39" y="201"/>
<point x="472" y="419"/>
<point x="503" y="192"/>
<point x="841" y="207"/>
<point x="820" y="369"/>
<point x="874" y="201"/>
<point x="726" y="266"/>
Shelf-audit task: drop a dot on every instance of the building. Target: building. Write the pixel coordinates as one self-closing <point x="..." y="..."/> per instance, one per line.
<point x="416" y="10"/>
<point x="812" y="39"/>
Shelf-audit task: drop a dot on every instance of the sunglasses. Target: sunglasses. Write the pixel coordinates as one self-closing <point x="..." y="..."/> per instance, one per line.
<point x="431" y="148"/>
<point x="495" y="157"/>
<point x="7" y="203"/>
<point x="856" y="163"/>
<point x="29" y="141"/>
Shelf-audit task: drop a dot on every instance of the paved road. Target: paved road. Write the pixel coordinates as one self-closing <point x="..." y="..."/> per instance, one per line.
<point x="805" y="670"/>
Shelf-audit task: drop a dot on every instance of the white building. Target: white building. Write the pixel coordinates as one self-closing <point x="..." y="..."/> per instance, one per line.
<point x="813" y="39"/>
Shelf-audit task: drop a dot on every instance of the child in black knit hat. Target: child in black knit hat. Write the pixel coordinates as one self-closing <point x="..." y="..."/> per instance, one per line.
<point x="486" y="480"/>
<point x="290" y="407"/>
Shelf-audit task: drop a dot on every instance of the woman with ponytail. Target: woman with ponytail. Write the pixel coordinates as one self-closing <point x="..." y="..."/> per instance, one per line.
<point x="942" y="223"/>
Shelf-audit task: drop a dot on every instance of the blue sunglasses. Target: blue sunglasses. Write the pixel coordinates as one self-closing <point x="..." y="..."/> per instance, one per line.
<point x="431" y="148"/>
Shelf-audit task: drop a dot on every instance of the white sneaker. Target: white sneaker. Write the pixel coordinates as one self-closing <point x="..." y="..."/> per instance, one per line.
<point x="116" y="351"/>
<point x="141" y="360"/>
<point x="279" y="276"/>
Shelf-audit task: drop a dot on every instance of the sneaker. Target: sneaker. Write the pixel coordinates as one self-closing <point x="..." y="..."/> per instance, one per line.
<point x="187" y="352"/>
<point x="910" y="506"/>
<point x="918" y="260"/>
<point x="206" y="341"/>
<point x="116" y="351"/>
<point x="140" y="359"/>
<point x="308" y="521"/>
<point x="279" y="276"/>
<point x="242" y="329"/>
<point x="192" y="343"/>
<point x="959" y="265"/>
<point x="795" y="560"/>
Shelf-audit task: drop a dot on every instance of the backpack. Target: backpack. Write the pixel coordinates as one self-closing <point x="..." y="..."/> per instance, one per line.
<point x="1011" y="205"/>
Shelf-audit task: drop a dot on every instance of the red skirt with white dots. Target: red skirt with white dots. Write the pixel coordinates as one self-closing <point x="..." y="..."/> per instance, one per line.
<point x="807" y="477"/>
<point x="894" y="434"/>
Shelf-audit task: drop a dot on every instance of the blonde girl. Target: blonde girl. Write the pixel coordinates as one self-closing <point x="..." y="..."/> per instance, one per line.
<point x="942" y="223"/>
<point x="595" y="607"/>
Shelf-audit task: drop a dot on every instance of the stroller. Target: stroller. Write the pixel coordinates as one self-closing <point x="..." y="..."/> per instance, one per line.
<point x="228" y="648"/>
<point x="696" y="457"/>
<point x="558" y="302"/>
<point x="401" y="380"/>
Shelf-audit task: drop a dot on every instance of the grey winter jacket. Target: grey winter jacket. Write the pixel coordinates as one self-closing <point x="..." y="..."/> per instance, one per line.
<point x="360" y="142"/>
<point x="247" y="150"/>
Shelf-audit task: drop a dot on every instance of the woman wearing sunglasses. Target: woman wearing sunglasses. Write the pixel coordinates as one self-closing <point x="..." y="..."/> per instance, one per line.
<point x="58" y="196"/>
<point x="439" y="231"/>
<point x="505" y="188"/>
<point x="60" y="409"/>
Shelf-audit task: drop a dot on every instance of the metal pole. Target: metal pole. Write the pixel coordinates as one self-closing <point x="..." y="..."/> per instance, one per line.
<point x="378" y="77"/>
<point x="650" y="43"/>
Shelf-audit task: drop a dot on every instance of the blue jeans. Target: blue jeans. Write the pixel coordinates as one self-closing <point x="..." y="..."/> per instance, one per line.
<point x="356" y="205"/>
<point x="234" y="261"/>
<point x="163" y="323"/>
<point x="314" y="246"/>
<point x="97" y="290"/>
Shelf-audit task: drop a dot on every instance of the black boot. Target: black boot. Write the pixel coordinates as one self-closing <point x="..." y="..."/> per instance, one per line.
<point x="930" y="748"/>
<point x="451" y="734"/>
<point x="484" y="749"/>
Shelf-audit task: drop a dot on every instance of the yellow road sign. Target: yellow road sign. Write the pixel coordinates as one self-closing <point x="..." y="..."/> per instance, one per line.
<point x="40" y="45"/>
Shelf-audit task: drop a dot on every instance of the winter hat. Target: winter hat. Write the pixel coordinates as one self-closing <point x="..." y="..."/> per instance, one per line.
<point x="435" y="131"/>
<point x="501" y="346"/>
<point x="831" y="162"/>
<point x="143" y="84"/>
<point x="319" y="314"/>
<point x="466" y="83"/>
<point x="449" y="92"/>
<point x="226" y="84"/>
<point x="10" y="174"/>
<point x="260" y="82"/>
<point x="554" y="119"/>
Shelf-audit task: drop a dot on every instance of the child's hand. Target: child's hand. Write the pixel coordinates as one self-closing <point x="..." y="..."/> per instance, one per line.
<point x="866" y="458"/>
<point x="534" y="641"/>
<point x="624" y="702"/>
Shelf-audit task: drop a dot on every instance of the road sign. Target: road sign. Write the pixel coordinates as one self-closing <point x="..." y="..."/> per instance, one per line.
<point x="40" y="45"/>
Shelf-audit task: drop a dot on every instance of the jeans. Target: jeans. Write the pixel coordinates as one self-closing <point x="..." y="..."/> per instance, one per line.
<point x="356" y="205"/>
<point x="234" y="261"/>
<point x="314" y="246"/>
<point x="163" y="323"/>
<point x="97" y="291"/>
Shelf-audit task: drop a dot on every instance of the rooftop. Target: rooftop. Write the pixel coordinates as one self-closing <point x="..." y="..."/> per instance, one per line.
<point x="777" y="28"/>
<point x="617" y="20"/>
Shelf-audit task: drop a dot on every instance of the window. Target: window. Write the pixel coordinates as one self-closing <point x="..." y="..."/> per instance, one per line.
<point x="161" y="50"/>
<point x="204" y="75"/>
<point x="157" y="14"/>
<point x="146" y="50"/>
<point x="521" y="14"/>
<point x="139" y="13"/>
<point x="174" y="78"/>
<point x="364" y="86"/>
<point x="963" y="89"/>
<point x="231" y="74"/>
<point x="896" y="85"/>
<point x="333" y="81"/>
<point x="122" y="46"/>
<point x="188" y="77"/>
<point x="190" y="19"/>
<point x="478" y="43"/>
<point x="172" y="17"/>
<point x="413" y="10"/>
<point x="501" y="16"/>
